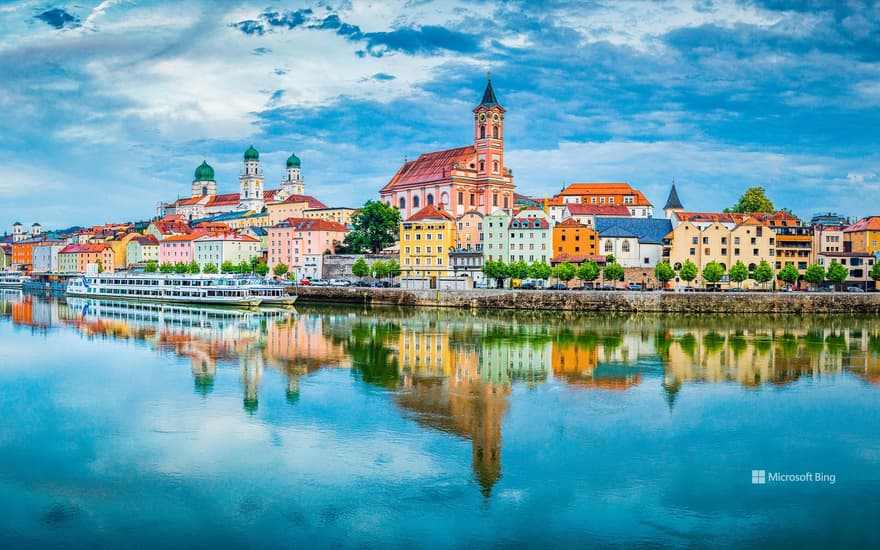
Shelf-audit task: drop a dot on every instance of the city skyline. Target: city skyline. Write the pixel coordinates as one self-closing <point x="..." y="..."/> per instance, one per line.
<point x="114" y="104"/>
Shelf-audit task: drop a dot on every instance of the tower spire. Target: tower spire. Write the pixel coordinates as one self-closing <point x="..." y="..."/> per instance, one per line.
<point x="489" y="95"/>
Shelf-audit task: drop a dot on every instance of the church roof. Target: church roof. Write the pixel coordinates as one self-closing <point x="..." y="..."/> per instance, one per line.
<point x="251" y="154"/>
<point x="489" y="98"/>
<point x="293" y="161"/>
<point x="223" y="200"/>
<point x="204" y="172"/>
<point x="430" y="167"/>
<point x="673" y="201"/>
<point x="647" y="230"/>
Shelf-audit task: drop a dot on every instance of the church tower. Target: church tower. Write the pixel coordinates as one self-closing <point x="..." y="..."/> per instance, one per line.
<point x="204" y="183"/>
<point x="293" y="184"/>
<point x="251" y="182"/>
<point x="489" y="134"/>
<point x="673" y="204"/>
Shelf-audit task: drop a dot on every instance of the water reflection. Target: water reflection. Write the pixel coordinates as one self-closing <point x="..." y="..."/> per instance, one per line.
<point x="454" y="371"/>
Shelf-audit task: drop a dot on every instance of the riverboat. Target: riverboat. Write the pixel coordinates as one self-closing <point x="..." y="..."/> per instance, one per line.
<point x="12" y="279"/>
<point x="186" y="289"/>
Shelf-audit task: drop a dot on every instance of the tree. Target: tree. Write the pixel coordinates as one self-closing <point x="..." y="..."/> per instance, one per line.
<point x="359" y="269"/>
<point x="837" y="273"/>
<point x="788" y="274"/>
<point x="280" y="269"/>
<point x="664" y="272"/>
<point x="753" y="200"/>
<point x="518" y="270"/>
<point x="393" y="268"/>
<point x="374" y="226"/>
<point x="739" y="273"/>
<point x="228" y="267"/>
<point x="815" y="274"/>
<point x="688" y="271"/>
<point x="166" y="267"/>
<point x="588" y="271"/>
<point x="100" y="266"/>
<point x="261" y="269"/>
<point x="875" y="271"/>
<point x="211" y="269"/>
<point x="181" y="267"/>
<point x="151" y="266"/>
<point x="610" y="259"/>
<point x="495" y="269"/>
<point x="245" y="267"/>
<point x="193" y="267"/>
<point x="613" y="272"/>
<point x="565" y="271"/>
<point x="763" y="273"/>
<point x="379" y="269"/>
<point x="713" y="272"/>
<point x="539" y="270"/>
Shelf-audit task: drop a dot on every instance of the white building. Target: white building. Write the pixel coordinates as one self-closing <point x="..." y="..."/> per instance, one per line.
<point x="45" y="257"/>
<point x="217" y="249"/>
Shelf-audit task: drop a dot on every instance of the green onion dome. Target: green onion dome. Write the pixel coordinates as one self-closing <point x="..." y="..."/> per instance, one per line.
<point x="251" y="154"/>
<point x="204" y="172"/>
<point x="293" y="161"/>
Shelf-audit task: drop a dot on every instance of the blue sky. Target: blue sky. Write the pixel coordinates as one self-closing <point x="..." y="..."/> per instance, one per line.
<point x="109" y="106"/>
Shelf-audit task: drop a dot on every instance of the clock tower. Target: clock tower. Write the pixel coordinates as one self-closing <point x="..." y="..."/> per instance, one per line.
<point x="489" y="134"/>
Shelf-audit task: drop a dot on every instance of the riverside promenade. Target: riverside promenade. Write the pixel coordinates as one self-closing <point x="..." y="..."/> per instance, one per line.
<point x="600" y="301"/>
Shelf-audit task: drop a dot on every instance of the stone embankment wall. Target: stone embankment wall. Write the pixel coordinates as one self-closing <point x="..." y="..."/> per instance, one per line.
<point x="670" y="302"/>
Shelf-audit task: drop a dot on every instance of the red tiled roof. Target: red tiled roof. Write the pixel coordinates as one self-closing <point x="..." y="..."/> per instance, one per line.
<point x="171" y="227"/>
<point x="224" y="200"/>
<point x="588" y="189"/>
<point x="430" y="212"/>
<point x="228" y="237"/>
<point x="145" y="239"/>
<point x="186" y="202"/>
<point x="179" y="238"/>
<point x="430" y="167"/>
<point x="578" y="258"/>
<point x="309" y="224"/>
<point x="865" y="224"/>
<point x="570" y="222"/>
<point x="598" y="210"/>
<point x="709" y="217"/>
<point x="313" y="202"/>
<point x="71" y="249"/>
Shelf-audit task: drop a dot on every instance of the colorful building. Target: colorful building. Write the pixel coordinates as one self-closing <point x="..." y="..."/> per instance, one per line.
<point x="495" y="241"/>
<point x="294" y="206"/>
<point x="863" y="236"/>
<point x="295" y="238"/>
<point x="472" y="177"/>
<point x="227" y="247"/>
<point x="167" y="228"/>
<point x="529" y="237"/>
<point x="634" y="242"/>
<point x="425" y="240"/>
<point x="339" y="214"/>
<point x="142" y="249"/>
<point x="469" y="233"/>
<point x="177" y="249"/>
<point x="45" y="256"/>
<point x="76" y="258"/>
<point x="573" y="241"/>
<point x="608" y="194"/>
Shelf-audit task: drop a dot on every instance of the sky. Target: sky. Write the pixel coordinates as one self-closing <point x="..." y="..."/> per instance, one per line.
<point x="109" y="106"/>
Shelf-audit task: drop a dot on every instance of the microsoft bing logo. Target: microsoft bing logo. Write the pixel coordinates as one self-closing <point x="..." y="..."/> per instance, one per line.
<point x="759" y="477"/>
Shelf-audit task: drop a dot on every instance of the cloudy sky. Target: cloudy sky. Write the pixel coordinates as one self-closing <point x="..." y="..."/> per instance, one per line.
<point x="109" y="106"/>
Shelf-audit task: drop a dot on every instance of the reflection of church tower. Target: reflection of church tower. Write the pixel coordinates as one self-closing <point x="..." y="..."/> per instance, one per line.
<point x="204" y="370"/>
<point x="204" y="183"/>
<point x="486" y="450"/>
<point x="251" y="182"/>
<point x="251" y="376"/>
<point x="293" y="184"/>
<point x="671" y="386"/>
<point x="292" y="392"/>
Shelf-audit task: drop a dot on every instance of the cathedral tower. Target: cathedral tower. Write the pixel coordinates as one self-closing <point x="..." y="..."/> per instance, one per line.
<point x="251" y="182"/>
<point x="204" y="183"/>
<point x="489" y="134"/>
<point x="293" y="184"/>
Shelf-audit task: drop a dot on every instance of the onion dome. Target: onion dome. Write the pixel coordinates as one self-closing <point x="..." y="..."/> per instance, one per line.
<point x="251" y="154"/>
<point x="293" y="161"/>
<point x="204" y="172"/>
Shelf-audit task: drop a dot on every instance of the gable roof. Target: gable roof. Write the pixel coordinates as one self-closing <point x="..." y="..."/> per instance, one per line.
<point x="588" y="189"/>
<point x="312" y="224"/>
<point x="313" y="202"/>
<point x="871" y="223"/>
<point x="430" y="212"/>
<point x="430" y="167"/>
<point x="598" y="210"/>
<point x="647" y="230"/>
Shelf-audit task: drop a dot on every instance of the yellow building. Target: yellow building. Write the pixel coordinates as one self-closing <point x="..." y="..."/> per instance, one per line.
<point x="725" y="239"/>
<point x="425" y="240"/>
<point x="863" y="236"/>
<point x="339" y="215"/>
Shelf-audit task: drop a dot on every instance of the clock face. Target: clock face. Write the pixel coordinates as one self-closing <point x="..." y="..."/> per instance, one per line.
<point x="482" y="117"/>
<point x="495" y="117"/>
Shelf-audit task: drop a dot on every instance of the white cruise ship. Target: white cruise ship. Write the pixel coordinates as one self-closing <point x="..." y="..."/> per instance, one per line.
<point x="12" y="279"/>
<point x="185" y="289"/>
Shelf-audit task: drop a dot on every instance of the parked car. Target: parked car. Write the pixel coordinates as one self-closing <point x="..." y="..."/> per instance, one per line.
<point x="319" y="282"/>
<point x="361" y="283"/>
<point x="737" y="289"/>
<point x="854" y="289"/>
<point x="608" y="287"/>
<point x="528" y="285"/>
<point x="339" y="282"/>
<point x="381" y="284"/>
<point x="557" y="286"/>
<point x="688" y="289"/>
<point x="305" y="282"/>
<point x="786" y="288"/>
<point x="634" y="286"/>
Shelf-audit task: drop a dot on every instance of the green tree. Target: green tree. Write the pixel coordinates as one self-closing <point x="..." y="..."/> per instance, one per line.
<point x="664" y="273"/>
<point x="613" y="272"/>
<point x="193" y="268"/>
<point x="228" y="267"/>
<point x="151" y="266"/>
<point x="713" y="272"/>
<point x="393" y="268"/>
<point x="539" y="270"/>
<point x="875" y="271"/>
<point x="280" y="269"/>
<point x="245" y="267"/>
<point x="181" y="267"/>
<point x="815" y="274"/>
<point x="166" y="267"/>
<point x="518" y="270"/>
<point x="379" y="269"/>
<point x="688" y="271"/>
<point x="211" y="269"/>
<point x="374" y="226"/>
<point x="788" y="274"/>
<point x="495" y="269"/>
<point x="610" y="259"/>
<point x="565" y="271"/>
<point x="588" y="271"/>
<point x="837" y="273"/>
<point x="261" y="269"/>
<point x="360" y="268"/>
<point x="763" y="273"/>
<point x="753" y="200"/>
<point x="100" y="266"/>
<point x="739" y="273"/>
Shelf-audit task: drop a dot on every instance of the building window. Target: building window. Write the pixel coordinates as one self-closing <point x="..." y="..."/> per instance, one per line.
<point x="402" y="203"/>
<point x="495" y="199"/>
<point x="693" y="251"/>
<point x="482" y="132"/>
<point x="609" y="247"/>
<point x="430" y="198"/>
<point x="495" y="132"/>
<point x="416" y="201"/>
<point x="625" y="246"/>
<point x="495" y="166"/>
<point x="482" y="166"/>
<point x="472" y="199"/>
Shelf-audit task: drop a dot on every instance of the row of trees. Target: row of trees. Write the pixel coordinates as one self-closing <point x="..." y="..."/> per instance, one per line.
<point x="253" y="266"/>
<point x="378" y="269"/>
<point x="563" y="271"/>
<point x="713" y="272"/>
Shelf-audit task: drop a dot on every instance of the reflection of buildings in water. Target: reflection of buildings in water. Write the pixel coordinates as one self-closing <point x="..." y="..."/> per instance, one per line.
<point x="251" y="366"/>
<point x="576" y="360"/>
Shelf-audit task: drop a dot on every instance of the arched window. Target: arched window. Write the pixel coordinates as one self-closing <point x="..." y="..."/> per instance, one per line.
<point x="416" y="201"/>
<point x="402" y="203"/>
<point x="495" y="132"/>
<point x="430" y="198"/>
<point x="625" y="246"/>
<point x="609" y="247"/>
<point x="482" y="166"/>
<point x="482" y="132"/>
<point x="444" y="198"/>
<point x="752" y="267"/>
<point x="495" y="165"/>
<point x="204" y="190"/>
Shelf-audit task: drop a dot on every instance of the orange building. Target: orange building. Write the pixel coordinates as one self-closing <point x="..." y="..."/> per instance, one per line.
<point x="863" y="236"/>
<point x="608" y="194"/>
<point x="572" y="239"/>
<point x="23" y="252"/>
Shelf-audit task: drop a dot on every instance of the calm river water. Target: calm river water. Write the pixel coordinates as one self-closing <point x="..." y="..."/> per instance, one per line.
<point x="128" y="425"/>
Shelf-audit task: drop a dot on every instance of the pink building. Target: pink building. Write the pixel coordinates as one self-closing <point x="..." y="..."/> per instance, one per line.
<point x="458" y="180"/>
<point x="294" y="238"/>
<point x="177" y="248"/>
<point x="469" y="233"/>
